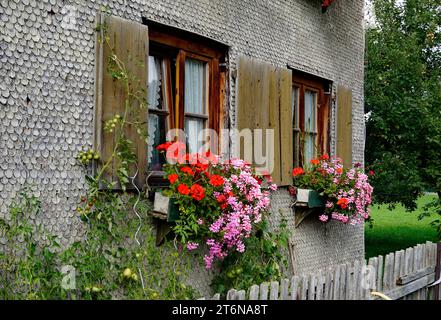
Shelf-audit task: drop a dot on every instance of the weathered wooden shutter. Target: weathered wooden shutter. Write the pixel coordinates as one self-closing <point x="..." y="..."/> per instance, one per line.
<point x="286" y="125"/>
<point x="344" y="125"/>
<point x="264" y="94"/>
<point x="129" y="41"/>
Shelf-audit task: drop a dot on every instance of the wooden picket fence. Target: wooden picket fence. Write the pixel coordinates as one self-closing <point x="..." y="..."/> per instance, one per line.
<point x="405" y="274"/>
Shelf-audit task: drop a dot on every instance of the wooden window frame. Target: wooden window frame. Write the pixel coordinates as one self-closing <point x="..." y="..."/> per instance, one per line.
<point x="198" y="48"/>
<point x="183" y="55"/>
<point x="304" y="82"/>
<point x="181" y="44"/>
<point x="296" y="130"/>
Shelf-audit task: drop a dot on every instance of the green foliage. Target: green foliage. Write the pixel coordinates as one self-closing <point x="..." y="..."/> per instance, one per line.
<point x="30" y="268"/>
<point x="397" y="229"/>
<point x="111" y="249"/>
<point x="263" y="260"/>
<point x="402" y="94"/>
<point x="27" y="264"/>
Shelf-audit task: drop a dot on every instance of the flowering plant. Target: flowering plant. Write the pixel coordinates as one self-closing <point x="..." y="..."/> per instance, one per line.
<point x="219" y="202"/>
<point x="327" y="3"/>
<point x="347" y="192"/>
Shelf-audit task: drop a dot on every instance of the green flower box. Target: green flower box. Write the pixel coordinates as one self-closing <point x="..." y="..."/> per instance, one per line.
<point x="309" y="198"/>
<point x="307" y="202"/>
<point x="167" y="206"/>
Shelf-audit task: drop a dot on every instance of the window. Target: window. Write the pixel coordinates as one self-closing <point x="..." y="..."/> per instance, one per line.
<point x="195" y="101"/>
<point x="184" y="88"/>
<point x="159" y="102"/>
<point x="310" y="109"/>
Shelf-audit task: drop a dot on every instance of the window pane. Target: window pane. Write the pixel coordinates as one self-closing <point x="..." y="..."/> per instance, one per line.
<point x="309" y="147"/>
<point x="195" y="86"/>
<point x="156" y="136"/>
<point x="295" y="107"/>
<point x="157" y="124"/>
<point x="296" y="149"/>
<point x="310" y="110"/>
<point x="192" y="129"/>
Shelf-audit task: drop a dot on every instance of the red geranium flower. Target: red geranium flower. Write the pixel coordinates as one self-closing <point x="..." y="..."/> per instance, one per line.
<point x="324" y="157"/>
<point x="183" y="189"/>
<point x="187" y="170"/>
<point x="343" y="203"/>
<point x="222" y="201"/>
<point x="211" y="157"/>
<point x="176" y="151"/>
<point x="259" y="180"/>
<point x="173" y="177"/>
<point x="201" y="167"/>
<point x="314" y="162"/>
<point x="339" y="170"/>
<point x="297" y="171"/>
<point x="327" y="3"/>
<point x="216" y="180"/>
<point x="197" y="192"/>
<point x="221" y="198"/>
<point x="164" y="146"/>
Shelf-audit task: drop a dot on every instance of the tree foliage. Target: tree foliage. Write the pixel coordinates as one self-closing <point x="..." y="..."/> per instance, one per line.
<point x="403" y="96"/>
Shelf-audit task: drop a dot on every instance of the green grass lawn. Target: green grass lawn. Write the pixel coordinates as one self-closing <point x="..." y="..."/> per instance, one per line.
<point x="397" y="229"/>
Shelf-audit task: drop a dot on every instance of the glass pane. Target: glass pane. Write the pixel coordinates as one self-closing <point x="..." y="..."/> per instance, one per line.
<point x="157" y="132"/>
<point x="309" y="147"/>
<point x="296" y="148"/>
<point x="310" y="110"/>
<point x="295" y="107"/>
<point x="195" y="86"/>
<point x="192" y="129"/>
<point x="154" y="90"/>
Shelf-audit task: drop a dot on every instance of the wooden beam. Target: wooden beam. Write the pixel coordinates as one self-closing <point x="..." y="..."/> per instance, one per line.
<point x="405" y="279"/>
<point x="401" y="291"/>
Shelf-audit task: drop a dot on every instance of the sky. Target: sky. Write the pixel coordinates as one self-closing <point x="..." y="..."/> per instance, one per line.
<point x="369" y="14"/>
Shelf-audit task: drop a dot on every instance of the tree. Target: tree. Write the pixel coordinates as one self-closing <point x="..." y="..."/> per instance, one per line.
<point x="403" y="97"/>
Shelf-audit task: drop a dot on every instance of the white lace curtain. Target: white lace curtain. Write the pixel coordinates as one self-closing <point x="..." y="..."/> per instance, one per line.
<point x="310" y="124"/>
<point x="154" y="102"/>
<point x="194" y="101"/>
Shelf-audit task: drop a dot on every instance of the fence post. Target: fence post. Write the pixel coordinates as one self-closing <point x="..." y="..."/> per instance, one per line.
<point x="437" y="269"/>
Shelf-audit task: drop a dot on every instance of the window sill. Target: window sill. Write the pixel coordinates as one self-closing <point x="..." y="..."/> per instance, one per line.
<point x="156" y="179"/>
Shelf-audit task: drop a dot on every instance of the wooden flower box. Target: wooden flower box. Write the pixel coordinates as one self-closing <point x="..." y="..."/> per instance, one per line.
<point x="166" y="206"/>
<point x="307" y="202"/>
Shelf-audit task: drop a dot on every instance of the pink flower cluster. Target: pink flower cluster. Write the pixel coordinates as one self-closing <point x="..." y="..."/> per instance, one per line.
<point x="244" y="202"/>
<point x="354" y="193"/>
<point x="347" y="192"/>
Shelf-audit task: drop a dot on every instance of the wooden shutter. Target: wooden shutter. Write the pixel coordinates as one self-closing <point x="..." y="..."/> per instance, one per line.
<point x="129" y="41"/>
<point x="344" y="125"/>
<point x="264" y="94"/>
<point x="286" y="125"/>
